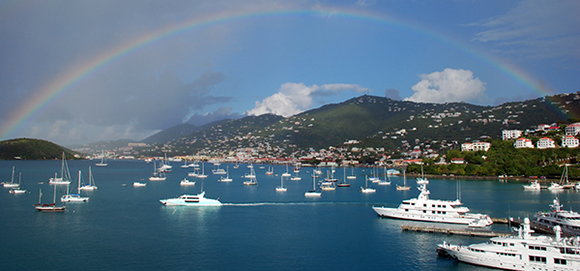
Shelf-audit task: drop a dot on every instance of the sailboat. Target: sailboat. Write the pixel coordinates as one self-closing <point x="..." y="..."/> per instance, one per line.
<point x="91" y="185"/>
<point x="296" y="177"/>
<point x="313" y="193"/>
<point x="344" y="183"/>
<point x="202" y="175"/>
<point x="48" y="208"/>
<point x="564" y="183"/>
<point x="252" y="177"/>
<point x="227" y="178"/>
<point x="351" y="176"/>
<point x="367" y="189"/>
<point x="17" y="190"/>
<point x="74" y="197"/>
<point x="102" y="163"/>
<point x="281" y="188"/>
<point x="422" y="179"/>
<point x="286" y="174"/>
<point x="270" y="171"/>
<point x="404" y="186"/>
<point x="11" y="184"/>
<point x="386" y="181"/>
<point x="157" y="176"/>
<point x="64" y="174"/>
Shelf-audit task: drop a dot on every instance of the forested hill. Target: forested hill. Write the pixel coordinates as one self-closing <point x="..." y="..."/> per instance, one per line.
<point x="32" y="149"/>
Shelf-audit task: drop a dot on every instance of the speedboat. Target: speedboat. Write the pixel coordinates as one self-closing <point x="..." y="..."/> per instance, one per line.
<point x="138" y="184"/>
<point x="521" y="252"/>
<point x="191" y="200"/>
<point x="424" y="209"/>
<point x="535" y="185"/>
<point x="186" y="182"/>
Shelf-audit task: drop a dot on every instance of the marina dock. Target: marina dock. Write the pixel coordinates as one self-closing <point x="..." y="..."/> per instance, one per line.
<point x="446" y="230"/>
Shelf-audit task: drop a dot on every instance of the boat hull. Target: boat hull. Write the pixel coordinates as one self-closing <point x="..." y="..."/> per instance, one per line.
<point x="202" y="203"/>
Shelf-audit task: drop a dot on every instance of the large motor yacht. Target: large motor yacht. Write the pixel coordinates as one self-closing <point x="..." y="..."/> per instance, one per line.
<point x="569" y="221"/>
<point x="424" y="209"/>
<point x="521" y="252"/>
<point x="191" y="200"/>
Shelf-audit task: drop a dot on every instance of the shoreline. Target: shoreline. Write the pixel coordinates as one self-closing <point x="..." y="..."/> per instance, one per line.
<point x="517" y="179"/>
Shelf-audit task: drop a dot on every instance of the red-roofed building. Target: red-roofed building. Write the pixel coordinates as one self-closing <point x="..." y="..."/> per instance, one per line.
<point x="570" y="142"/>
<point x="545" y="143"/>
<point x="573" y="129"/>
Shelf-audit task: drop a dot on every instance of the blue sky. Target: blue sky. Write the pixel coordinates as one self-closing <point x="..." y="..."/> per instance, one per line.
<point x="281" y="57"/>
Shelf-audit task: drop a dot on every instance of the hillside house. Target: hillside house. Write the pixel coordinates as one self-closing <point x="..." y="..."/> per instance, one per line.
<point x="523" y="143"/>
<point x="510" y="134"/>
<point x="570" y="142"/>
<point x="573" y="129"/>
<point x="545" y="143"/>
<point x="475" y="146"/>
<point x="458" y="161"/>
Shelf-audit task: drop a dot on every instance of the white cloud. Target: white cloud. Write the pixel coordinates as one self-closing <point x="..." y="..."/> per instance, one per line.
<point x="294" y="98"/>
<point x="448" y="86"/>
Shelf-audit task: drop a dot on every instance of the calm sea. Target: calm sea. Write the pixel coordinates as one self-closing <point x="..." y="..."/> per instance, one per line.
<point x="126" y="228"/>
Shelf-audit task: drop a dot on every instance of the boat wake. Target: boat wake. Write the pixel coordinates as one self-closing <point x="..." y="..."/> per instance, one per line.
<point x="293" y="203"/>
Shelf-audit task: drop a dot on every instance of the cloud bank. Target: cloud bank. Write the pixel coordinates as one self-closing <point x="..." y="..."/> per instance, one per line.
<point x="448" y="86"/>
<point x="294" y="98"/>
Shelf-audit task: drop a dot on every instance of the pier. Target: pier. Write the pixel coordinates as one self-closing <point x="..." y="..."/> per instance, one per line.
<point x="445" y="230"/>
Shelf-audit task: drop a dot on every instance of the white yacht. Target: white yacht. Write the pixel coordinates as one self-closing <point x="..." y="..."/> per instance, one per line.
<point x="65" y="174"/>
<point x="424" y="209"/>
<point x="91" y="185"/>
<point x="74" y="197"/>
<point x="533" y="186"/>
<point x="11" y="184"/>
<point x="186" y="182"/>
<point x="569" y="221"/>
<point x="521" y="252"/>
<point x="191" y="200"/>
<point x="139" y="184"/>
<point x="313" y="192"/>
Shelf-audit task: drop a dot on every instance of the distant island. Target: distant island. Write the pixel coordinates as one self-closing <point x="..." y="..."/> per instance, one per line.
<point x="33" y="149"/>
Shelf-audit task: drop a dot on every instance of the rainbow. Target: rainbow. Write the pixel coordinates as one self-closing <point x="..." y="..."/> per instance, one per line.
<point x="77" y="73"/>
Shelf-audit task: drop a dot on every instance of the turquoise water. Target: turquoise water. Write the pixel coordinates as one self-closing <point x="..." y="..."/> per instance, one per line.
<point x="126" y="228"/>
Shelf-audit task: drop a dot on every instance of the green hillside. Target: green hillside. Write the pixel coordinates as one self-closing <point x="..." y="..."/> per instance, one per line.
<point x="32" y="149"/>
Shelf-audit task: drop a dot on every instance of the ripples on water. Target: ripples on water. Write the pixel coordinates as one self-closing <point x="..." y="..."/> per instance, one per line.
<point x="126" y="228"/>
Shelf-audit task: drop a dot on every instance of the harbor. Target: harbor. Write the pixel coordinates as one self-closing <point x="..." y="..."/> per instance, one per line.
<point x="432" y="228"/>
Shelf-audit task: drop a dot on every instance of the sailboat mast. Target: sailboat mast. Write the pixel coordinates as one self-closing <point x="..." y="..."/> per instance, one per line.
<point x="79" y="186"/>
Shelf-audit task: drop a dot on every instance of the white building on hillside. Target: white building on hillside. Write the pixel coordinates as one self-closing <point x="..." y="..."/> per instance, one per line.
<point x="573" y="129"/>
<point x="523" y="143"/>
<point x="570" y="142"/>
<point x="545" y="143"/>
<point x="509" y="134"/>
<point x="475" y="146"/>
